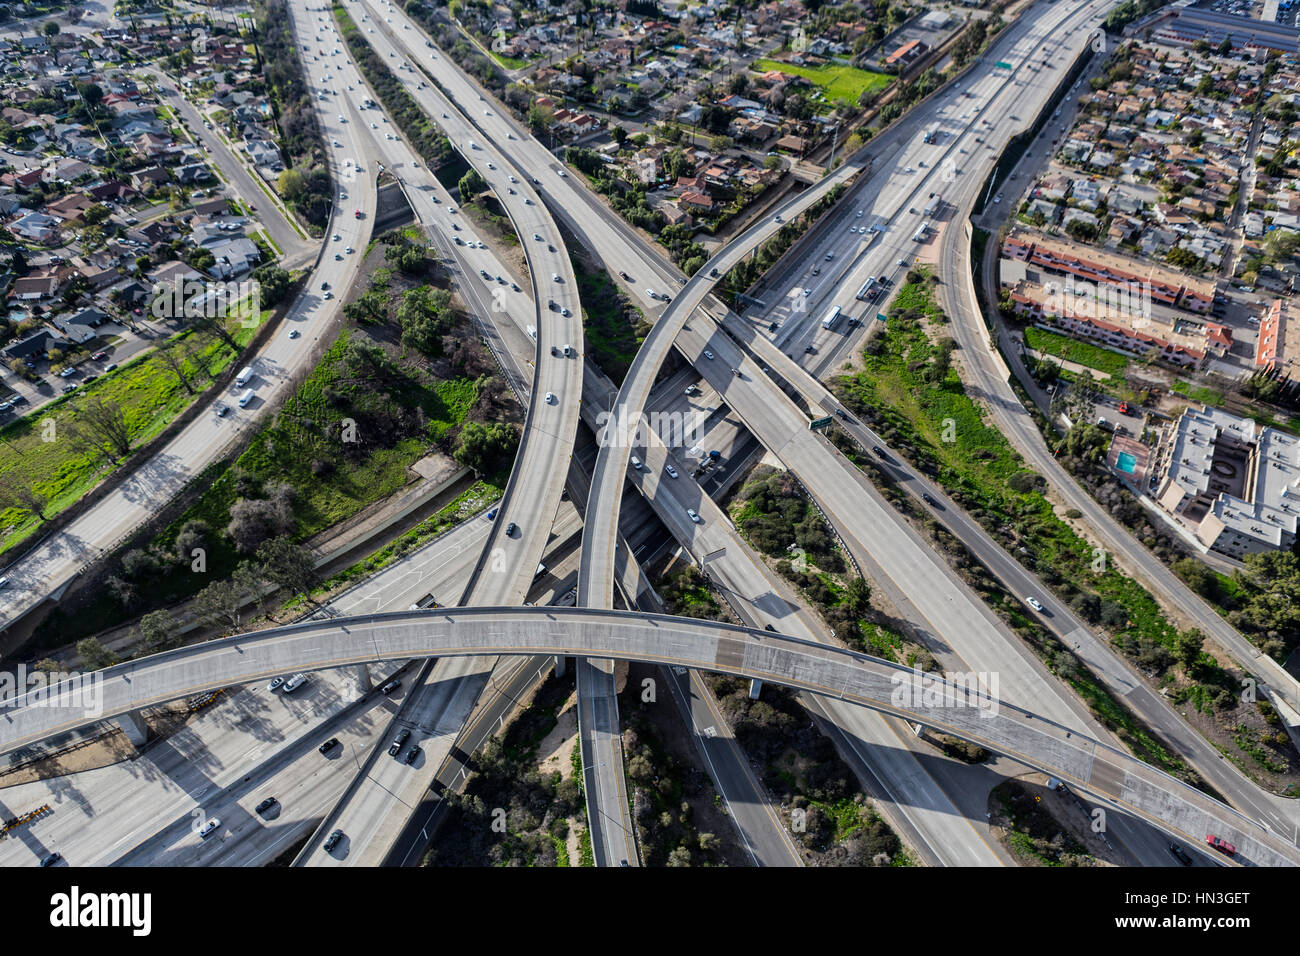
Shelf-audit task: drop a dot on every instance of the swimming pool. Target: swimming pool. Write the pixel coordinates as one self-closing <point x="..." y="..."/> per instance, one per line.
<point x="1126" y="462"/>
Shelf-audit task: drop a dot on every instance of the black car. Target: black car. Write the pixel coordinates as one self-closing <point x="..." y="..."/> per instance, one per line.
<point x="413" y="753"/>
<point x="928" y="498"/>
<point x="52" y="859"/>
<point x="880" y="452"/>
<point x="266" y="804"/>
<point x="390" y="686"/>
<point x="773" y="326"/>
<point x="554" y="350"/>
<point x="396" y="746"/>
<point x="511" y="528"/>
<point x="1180" y="854"/>
<point x="332" y="840"/>
<point x="328" y="745"/>
<point x="810" y="350"/>
<point x="768" y="627"/>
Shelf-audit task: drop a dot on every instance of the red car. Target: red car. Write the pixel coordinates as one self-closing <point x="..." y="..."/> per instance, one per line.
<point x="1123" y="408"/>
<point x="358" y="213"/>
<point x="99" y="356"/>
<point x="1220" y="844"/>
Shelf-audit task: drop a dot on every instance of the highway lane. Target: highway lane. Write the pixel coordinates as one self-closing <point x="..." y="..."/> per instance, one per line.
<point x="960" y="709"/>
<point x="555" y="179"/>
<point x="446" y="691"/>
<point x="600" y="728"/>
<point x="49" y="566"/>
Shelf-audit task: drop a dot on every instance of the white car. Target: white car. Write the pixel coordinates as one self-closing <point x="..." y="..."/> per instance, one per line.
<point x="997" y="198"/>
<point x="1033" y="602"/>
<point x="636" y="463"/>
<point x="337" y="143"/>
<point x="708" y="354"/>
<point x="672" y="472"/>
<point x="550" y="398"/>
<point x="337" y="237"/>
<point x="555" y="277"/>
<point x="694" y="516"/>
<point x="208" y="827"/>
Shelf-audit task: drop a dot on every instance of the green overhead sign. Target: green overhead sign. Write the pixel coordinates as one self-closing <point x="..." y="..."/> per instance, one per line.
<point x="1003" y="65"/>
<point x="820" y="422"/>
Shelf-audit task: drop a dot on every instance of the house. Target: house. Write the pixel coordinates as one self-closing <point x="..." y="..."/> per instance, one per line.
<point x="149" y="177"/>
<point x="697" y="202"/>
<point x="37" y="227"/>
<point x="36" y="346"/>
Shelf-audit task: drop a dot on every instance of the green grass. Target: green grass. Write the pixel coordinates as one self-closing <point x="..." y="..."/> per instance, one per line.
<point x="62" y="470"/>
<point x="840" y="83"/>
<point x="1198" y="393"/>
<point x="1072" y="350"/>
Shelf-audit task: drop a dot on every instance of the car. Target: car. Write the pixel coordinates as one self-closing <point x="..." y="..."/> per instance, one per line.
<point x="555" y="277"/>
<point x="537" y="237"/>
<point x="879" y="452"/>
<point x="902" y="262"/>
<point x="636" y="463"/>
<point x="348" y="250"/>
<point x="265" y="805"/>
<point x="511" y="528"/>
<point x="1220" y="844"/>
<point x="332" y="840"/>
<point x="412" y="753"/>
<point x="672" y="472"/>
<point x="99" y="356"/>
<point x="692" y="390"/>
<point x="337" y="143"/>
<point x="1180" y="854"/>
<point x="564" y="312"/>
<point x="708" y="354"/>
<point x="390" y="685"/>
<point x="624" y="276"/>
<point x="338" y="256"/>
<point x="275" y="684"/>
<point x="208" y="827"/>
<point x="222" y="410"/>
<point x="328" y="745"/>
<point x="67" y="371"/>
<point x="51" y="859"/>
<point x="777" y="219"/>
<point x="694" y="515"/>
<point x="1123" y="408"/>
<point x="550" y="398"/>
<point x="1034" y="603"/>
<point x="111" y="366"/>
<point x="337" y="237"/>
<point x="810" y="350"/>
<point x="396" y="746"/>
<point x="928" y="499"/>
<point x="997" y="198"/>
<point x="294" y="333"/>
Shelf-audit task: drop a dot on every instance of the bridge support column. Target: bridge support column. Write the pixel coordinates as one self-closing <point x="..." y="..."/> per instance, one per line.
<point x="133" y="726"/>
<point x="360" y="675"/>
<point x="561" y="666"/>
<point x="755" y="688"/>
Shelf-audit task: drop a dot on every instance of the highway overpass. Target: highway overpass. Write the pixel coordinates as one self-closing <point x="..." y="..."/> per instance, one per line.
<point x="964" y="711"/>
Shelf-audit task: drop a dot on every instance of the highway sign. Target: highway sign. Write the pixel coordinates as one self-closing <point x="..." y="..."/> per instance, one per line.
<point x="1002" y="65"/>
<point x="713" y="556"/>
<point x="820" y="422"/>
<point x="881" y="317"/>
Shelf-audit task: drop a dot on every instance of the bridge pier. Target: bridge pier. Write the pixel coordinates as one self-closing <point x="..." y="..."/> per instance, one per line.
<point x="561" y="666"/>
<point x="360" y="675"/>
<point x="133" y="726"/>
<point x="755" y="688"/>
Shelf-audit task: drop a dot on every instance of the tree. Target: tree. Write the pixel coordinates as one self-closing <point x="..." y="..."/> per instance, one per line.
<point x="96" y="214"/>
<point x="1187" y="647"/>
<point x="51" y="28"/>
<point x="618" y="134"/>
<point x="94" y="655"/>
<point x="720" y="143"/>
<point x="15" y="493"/>
<point x="292" y="184"/>
<point x="288" y="565"/>
<point x="254" y="520"/>
<point x="92" y="93"/>
<point x="470" y="185"/>
<point x="158" y="632"/>
<point x="218" y="605"/>
<point x="102" y="425"/>
<point x="857" y="598"/>
<point x="172" y="356"/>
<point x="485" y="447"/>
<point x="273" y="284"/>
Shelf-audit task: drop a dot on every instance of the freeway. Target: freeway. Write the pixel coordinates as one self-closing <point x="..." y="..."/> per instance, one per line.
<point x="962" y="709"/>
<point x="611" y="237"/>
<point x="446" y="691"/>
<point x="598" y="724"/>
<point x="46" y="569"/>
